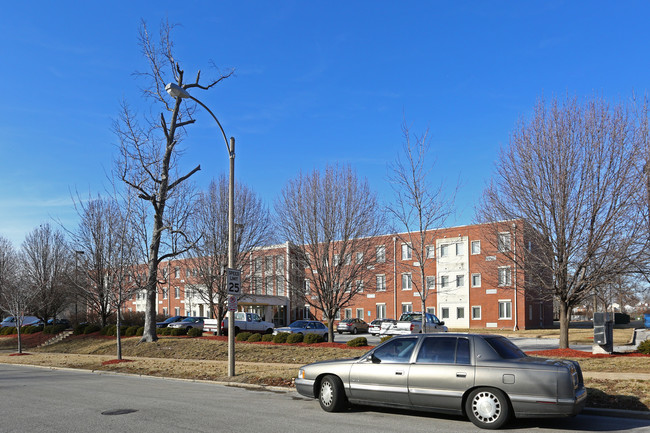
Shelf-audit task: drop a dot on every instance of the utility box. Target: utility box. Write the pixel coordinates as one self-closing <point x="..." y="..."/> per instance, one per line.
<point x="603" y="333"/>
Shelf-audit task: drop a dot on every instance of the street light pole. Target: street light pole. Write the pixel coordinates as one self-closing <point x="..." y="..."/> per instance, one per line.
<point x="177" y="91"/>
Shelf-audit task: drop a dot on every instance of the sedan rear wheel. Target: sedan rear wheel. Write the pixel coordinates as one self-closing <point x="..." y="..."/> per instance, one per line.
<point x="331" y="396"/>
<point x="487" y="408"/>
<point x="354" y="331"/>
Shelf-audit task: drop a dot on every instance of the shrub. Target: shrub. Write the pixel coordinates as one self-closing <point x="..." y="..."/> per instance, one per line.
<point x="132" y="318"/>
<point x="89" y="329"/>
<point x="267" y="337"/>
<point x="11" y="330"/>
<point x="79" y="328"/>
<point x="281" y="337"/>
<point x="255" y="338"/>
<point x="242" y="336"/>
<point x="54" y="329"/>
<point x="313" y="338"/>
<point x="162" y="331"/>
<point x="385" y="338"/>
<point x="295" y="338"/>
<point x="30" y="329"/>
<point x="195" y="332"/>
<point x="358" y="342"/>
<point x="644" y="347"/>
<point x="140" y="331"/>
<point x="176" y="331"/>
<point x="130" y="331"/>
<point x="108" y="330"/>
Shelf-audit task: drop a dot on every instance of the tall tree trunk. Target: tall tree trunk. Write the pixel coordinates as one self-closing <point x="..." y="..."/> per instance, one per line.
<point x="564" y="324"/>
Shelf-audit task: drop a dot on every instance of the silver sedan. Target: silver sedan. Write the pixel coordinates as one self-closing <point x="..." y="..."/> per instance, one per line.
<point x="484" y="377"/>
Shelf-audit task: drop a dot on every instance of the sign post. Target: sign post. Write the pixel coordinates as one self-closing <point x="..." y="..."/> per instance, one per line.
<point x="233" y="282"/>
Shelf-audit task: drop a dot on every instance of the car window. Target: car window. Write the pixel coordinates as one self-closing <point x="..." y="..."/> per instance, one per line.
<point x="462" y="351"/>
<point x="438" y="350"/>
<point x="505" y="348"/>
<point x="298" y="324"/>
<point x="396" y="350"/>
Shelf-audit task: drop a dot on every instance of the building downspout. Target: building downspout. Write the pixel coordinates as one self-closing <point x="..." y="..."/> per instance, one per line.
<point x="514" y="247"/>
<point x="395" y="276"/>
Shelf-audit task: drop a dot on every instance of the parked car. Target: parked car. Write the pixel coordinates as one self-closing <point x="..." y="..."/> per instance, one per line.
<point x="484" y="377"/>
<point x="27" y="321"/>
<point x="375" y="325"/>
<point x="188" y="322"/>
<point x="65" y="322"/>
<point x="169" y="320"/>
<point x="411" y="323"/>
<point x="244" y="322"/>
<point x="304" y="327"/>
<point x="353" y="326"/>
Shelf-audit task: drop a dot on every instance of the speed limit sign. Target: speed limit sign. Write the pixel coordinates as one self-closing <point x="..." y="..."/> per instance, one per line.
<point x="234" y="281"/>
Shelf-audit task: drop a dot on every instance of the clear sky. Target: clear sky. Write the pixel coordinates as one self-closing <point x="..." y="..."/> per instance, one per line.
<point x="316" y="82"/>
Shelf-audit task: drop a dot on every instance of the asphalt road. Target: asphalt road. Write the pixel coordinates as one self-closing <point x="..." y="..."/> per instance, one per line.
<point x="43" y="400"/>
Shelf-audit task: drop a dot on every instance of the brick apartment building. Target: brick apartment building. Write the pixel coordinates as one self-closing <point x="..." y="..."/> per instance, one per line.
<point x="480" y="277"/>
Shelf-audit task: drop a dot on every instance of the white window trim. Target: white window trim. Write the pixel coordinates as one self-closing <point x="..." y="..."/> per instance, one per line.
<point x="508" y="279"/>
<point x="480" y="312"/>
<point x="407" y="248"/>
<point x="479" y="279"/>
<point x="472" y="247"/>
<point x="410" y="280"/>
<point x="380" y="289"/>
<point x="504" y="301"/>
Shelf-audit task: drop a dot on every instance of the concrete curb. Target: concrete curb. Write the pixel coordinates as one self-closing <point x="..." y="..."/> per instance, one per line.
<point x="592" y="411"/>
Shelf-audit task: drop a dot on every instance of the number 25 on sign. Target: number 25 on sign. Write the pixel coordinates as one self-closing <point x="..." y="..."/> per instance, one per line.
<point x="234" y="281"/>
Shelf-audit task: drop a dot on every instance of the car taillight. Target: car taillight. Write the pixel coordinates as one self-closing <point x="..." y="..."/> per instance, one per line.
<point x="412" y="326"/>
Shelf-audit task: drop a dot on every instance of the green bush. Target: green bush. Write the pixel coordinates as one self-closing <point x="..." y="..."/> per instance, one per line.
<point x="162" y="331"/>
<point x="140" y="331"/>
<point x="242" y="336"/>
<point x="254" y="338"/>
<point x="313" y="339"/>
<point x="176" y="331"/>
<point x="31" y="329"/>
<point x="79" y="329"/>
<point x="108" y="330"/>
<point x="195" y="332"/>
<point x="385" y="338"/>
<point x="295" y="338"/>
<point x="281" y="337"/>
<point x="131" y="331"/>
<point x="54" y="329"/>
<point x="644" y="347"/>
<point x="358" y="342"/>
<point x="89" y="329"/>
<point x="267" y="338"/>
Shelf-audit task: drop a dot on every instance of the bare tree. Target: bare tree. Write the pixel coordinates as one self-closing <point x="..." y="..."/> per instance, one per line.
<point x="209" y="257"/>
<point x="15" y="297"/>
<point x="149" y="157"/>
<point x="47" y="266"/>
<point x="571" y="172"/>
<point x="419" y="207"/>
<point x="331" y="218"/>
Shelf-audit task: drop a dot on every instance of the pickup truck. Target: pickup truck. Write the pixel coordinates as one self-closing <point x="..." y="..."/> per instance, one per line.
<point x="411" y="323"/>
<point x="244" y="322"/>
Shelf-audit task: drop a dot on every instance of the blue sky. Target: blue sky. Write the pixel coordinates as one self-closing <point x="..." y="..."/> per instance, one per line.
<point x="316" y="83"/>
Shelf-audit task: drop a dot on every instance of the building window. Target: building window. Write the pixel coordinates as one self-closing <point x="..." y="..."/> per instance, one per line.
<point x="381" y="254"/>
<point x="460" y="312"/>
<point x="307" y="287"/>
<point x="505" y="310"/>
<point x="381" y="283"/>
<point x="336" y="259"/>
<point x="505" y="276"/>
<point x="165" y="290"/>
<point x="347" y="259"/>
<point x="279" y="265"/>
<point x="431" y="310"/>
<point x="381" y="311"/>
<point x="177" y="293"/>
<point x="165" y="311"/>
<point x="460" y="280"/>
<point x="268" y="264"/>
<point x="503" y="242"/>
<point x="431" y="283"/>
<point x="460" y="247"/>
<point x="337" y="316"/>
<point x="279" y="285"/>
<point x="359" y="258"/>
<point x="444" y="250"/>
<point x="407" y="282"/>
<point x="476" y="247"/>
<point x="431" y="252"/>
<point x="258" y="285"/>
<point x="257" y="265"/>
<point x="445" y="312"/>
<point x="359" y="286"/>
<point x="359" y="313"/>
<point x="177" y="311"/>
<point x="177" y="273"/>
<point x="269" y="285"/>
<point x="476" y="313"/>
<point x="407" y="307"/>
<point x="407" y="252"/>
<point x="476" y="280"/>
<point x="348" y="313"/>
<point x="444" y="281"/>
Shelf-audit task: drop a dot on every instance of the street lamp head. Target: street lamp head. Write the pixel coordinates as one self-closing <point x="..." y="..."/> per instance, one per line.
<point x="176" y="91"/>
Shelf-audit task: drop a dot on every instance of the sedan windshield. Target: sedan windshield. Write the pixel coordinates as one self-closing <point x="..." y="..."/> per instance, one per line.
<point x="298" y="324"/>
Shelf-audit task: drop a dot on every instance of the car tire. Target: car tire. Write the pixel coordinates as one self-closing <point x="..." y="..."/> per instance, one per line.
<point x="354" y="331"/>
<point x="269" y="331"/>
<point x="340" y="332"/>
<point x="325" y="338"/>
<point x="331" y="396"/>
<point x="487" y="408"/>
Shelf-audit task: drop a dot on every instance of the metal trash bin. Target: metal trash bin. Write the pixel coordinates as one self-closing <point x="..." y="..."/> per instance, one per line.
<point x="646" y="318"/>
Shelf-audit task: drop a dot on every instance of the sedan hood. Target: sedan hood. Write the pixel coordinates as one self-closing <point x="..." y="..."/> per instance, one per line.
<point x="333" y="362"/>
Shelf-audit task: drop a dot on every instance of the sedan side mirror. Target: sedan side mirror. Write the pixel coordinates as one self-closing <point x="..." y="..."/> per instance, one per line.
<point x="374" y="359"/>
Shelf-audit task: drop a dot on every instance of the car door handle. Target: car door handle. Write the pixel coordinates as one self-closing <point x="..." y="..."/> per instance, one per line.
<point x="461" y="374"/>
<point x="399" y="372"/>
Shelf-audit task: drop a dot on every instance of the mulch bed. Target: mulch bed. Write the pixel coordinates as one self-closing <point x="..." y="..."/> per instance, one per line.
<point x="116" y="361"/>
<point x="571" y="353"/>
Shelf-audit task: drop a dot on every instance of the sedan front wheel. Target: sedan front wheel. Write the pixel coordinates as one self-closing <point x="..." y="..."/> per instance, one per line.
<point x="331" y="395"/>
<point x="487" y="408"/>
